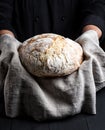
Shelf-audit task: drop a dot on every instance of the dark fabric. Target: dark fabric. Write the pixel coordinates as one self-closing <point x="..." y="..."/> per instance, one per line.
<point x="66" y="17"/>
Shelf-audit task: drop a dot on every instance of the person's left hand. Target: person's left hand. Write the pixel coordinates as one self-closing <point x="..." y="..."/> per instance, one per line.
<point x="88" y="37"/>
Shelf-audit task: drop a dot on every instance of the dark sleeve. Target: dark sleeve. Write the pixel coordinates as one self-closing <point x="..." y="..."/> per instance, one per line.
<point x="93" y="12"/>
<point x="6" y="10"/>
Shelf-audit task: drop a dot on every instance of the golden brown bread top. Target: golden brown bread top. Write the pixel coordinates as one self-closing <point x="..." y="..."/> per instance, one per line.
<point x="50" y="55"/>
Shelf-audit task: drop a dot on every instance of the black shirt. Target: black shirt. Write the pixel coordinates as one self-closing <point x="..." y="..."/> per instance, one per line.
<point x="27" y="18"/>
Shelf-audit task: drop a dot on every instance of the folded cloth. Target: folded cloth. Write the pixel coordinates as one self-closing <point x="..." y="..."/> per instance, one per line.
<point x="51" y="98"/>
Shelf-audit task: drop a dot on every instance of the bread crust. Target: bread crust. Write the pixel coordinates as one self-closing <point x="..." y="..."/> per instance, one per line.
<point x="50" y="55"/>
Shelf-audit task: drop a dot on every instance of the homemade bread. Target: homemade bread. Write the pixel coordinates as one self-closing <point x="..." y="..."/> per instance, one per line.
<point x="50" y="55"/>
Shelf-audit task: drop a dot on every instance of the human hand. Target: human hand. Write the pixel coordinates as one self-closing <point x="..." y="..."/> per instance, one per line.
<point x="7" y="39"/>
<point x="88" y="37"/>
<point x="93" y="27"/>
<point x="6" y="32"/>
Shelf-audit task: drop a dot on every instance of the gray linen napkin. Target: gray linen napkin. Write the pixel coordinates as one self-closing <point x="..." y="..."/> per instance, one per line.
<point x="51" y="98"/>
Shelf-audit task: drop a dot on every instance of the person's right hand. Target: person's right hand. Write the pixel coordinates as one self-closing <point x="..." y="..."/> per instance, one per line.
<point x="9" y="39"/>
<point x="6" y="32"/>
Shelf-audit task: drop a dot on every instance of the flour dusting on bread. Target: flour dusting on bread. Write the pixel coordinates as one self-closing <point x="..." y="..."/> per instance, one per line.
<point x="50" y="55"/>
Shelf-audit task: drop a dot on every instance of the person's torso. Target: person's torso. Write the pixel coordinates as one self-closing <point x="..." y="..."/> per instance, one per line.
<point x="32" y="17"/>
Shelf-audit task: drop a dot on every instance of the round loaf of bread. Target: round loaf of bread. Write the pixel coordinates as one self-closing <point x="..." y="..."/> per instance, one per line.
<point x="50" y="55"/>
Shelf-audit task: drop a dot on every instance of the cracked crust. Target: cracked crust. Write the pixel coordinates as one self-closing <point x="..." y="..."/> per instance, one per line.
<point x="50" y="55"/>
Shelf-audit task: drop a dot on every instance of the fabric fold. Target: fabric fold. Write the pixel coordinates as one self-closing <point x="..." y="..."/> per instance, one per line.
<point x="51" y="98"/>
